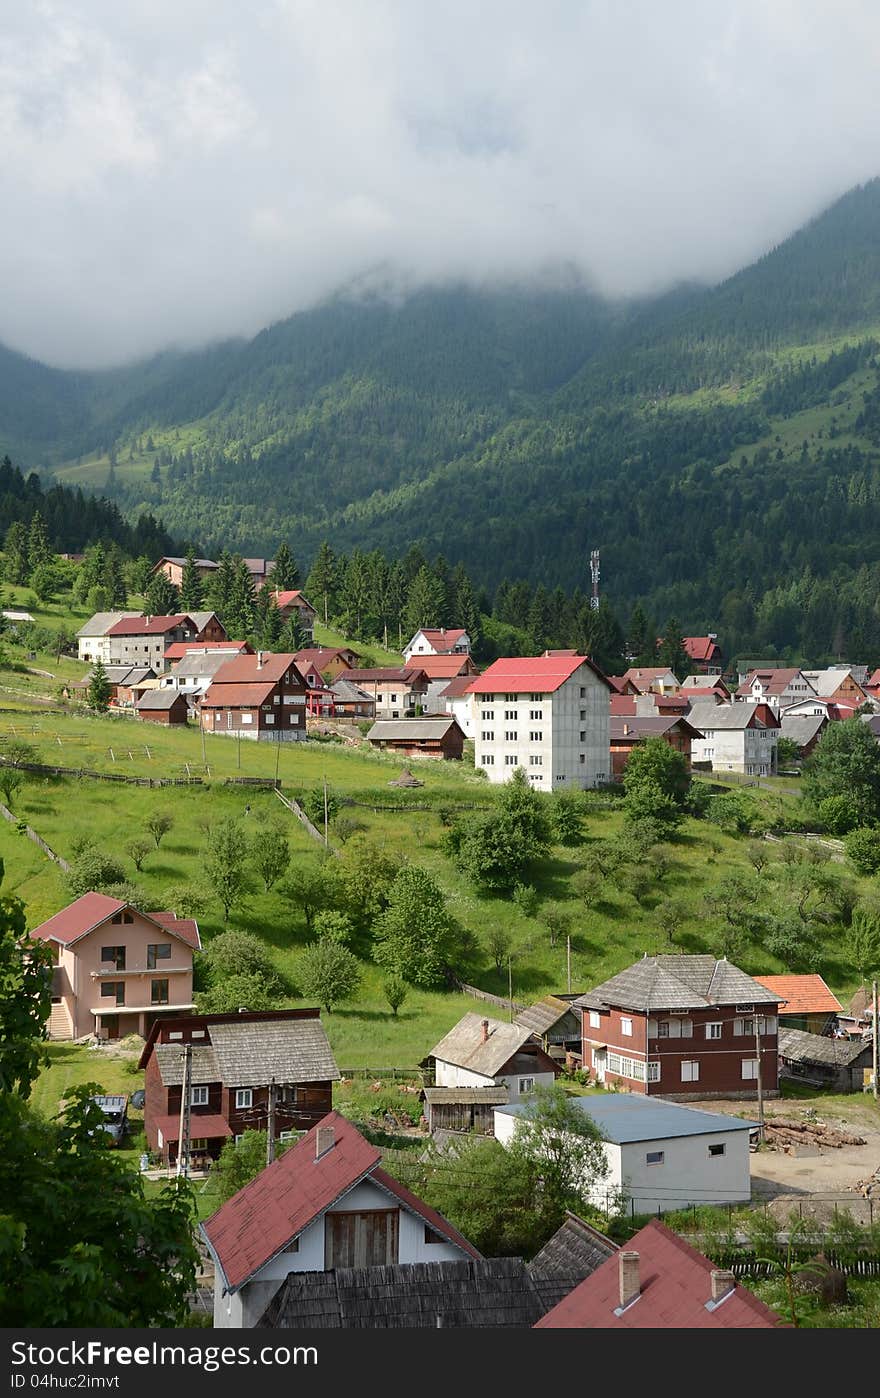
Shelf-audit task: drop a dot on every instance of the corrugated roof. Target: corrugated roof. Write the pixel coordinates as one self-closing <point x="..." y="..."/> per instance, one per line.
<point x="802" y="995"/>
<point x="258" y="669"/>
<point x="100" y="623"/>
<point x="415" y="729"/>
<point x="206" y="662"/>
<point x="442" y="638"/>
<point x="676" y="1285"/>
<point x="677" y="983"/>
<point x="624" y="1117"/>
<point x="159" y="699"/>
<point x="802" y="728"/>
<point x="539" y="674"/>
<point x="412" y="675"/>
<point x="637" y="726"/>
<point x="178" y="649"/>
<point x="465" y="1047"/>
<point x="708" y="716"/>
<point x="148" y="626"/>
<point x="440" y="667"/>
<point x="251" y="1054"/>
<point x="799" y="1047"/>
<point x="209" y="1126"/>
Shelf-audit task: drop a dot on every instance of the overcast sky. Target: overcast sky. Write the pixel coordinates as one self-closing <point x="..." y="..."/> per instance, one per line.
<point x="172" y="171"/>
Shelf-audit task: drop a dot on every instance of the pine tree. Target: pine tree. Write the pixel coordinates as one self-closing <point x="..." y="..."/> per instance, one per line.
<point x="285" y="572"/>
<point x="425" y="602"/>
<point x="17" y="565"/>
<point x="271" y="622"/>
<point x="292" y="638"/>
<point x="672" y="651"/>
<point x="39" y="549"/>
<point x="114" y="580"/>
<point x="355" y="591"/>
<point x="222" y="586"/>
<point x="396" y="600"/>
<point x="243" y="601"/>
<point x="322" y="580"/>
<point x="637" y="636"/>
<point x="161" y="597"/>
<point x="465" y="612"/>
<point x="192" y="587"/>
<point x="100" y="689"/>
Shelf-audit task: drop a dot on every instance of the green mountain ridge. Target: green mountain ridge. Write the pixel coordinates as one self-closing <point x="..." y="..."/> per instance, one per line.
<point x="721" y="446"/>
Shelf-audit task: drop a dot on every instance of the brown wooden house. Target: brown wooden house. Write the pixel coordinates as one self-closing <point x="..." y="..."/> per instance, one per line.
<point x="261" y="697"/>
<point x="419" y="737"/>
<point x="166" y="706"/>
<point x="234" y="1060"/>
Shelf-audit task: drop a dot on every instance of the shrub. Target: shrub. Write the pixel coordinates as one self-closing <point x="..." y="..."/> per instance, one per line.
<point x="863" y="850"/>
<point x="838" y="814"/>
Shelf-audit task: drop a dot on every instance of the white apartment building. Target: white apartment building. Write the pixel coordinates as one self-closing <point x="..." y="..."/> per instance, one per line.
<point x="735" y="737"/>
<point x="548" y="714"/>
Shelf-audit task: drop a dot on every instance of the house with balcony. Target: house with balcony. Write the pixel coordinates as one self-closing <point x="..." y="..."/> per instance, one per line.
<point x="704" y="653"/>
<point x="261" y="697"/>
<point x="117" y="970"/>
<point x="290" y="603"/>
<point x="682" y="1027"/>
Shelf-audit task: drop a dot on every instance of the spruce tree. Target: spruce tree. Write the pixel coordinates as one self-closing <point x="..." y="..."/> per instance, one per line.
<point x="99" y="689"/>
<point x="271" y="622"/>
<point x="39" y="549"/>
<point x="16" y="562"/>
<point x="672" y="651"/>
<point x="465" y="612"/>
<point x="115" y="580"/>
<point x="322" y="580"/>
<point x="243" y="601"/>
<point x="285" y="572"/>
<point x="161" y="597"/>
<point x="425" y="603"/>
<point x="192" y="587"/>
<point x="222" y="586"/>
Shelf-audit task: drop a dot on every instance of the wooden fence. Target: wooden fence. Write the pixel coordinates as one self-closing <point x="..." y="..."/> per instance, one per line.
<point x="296" y="808"/>
<point x="497" y="1000"/>
<point x="42" y="769"/>
<point x="7" y="814"/>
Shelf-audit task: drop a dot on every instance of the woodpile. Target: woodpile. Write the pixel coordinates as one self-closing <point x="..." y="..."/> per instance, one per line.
<point x="808" y="1133"/>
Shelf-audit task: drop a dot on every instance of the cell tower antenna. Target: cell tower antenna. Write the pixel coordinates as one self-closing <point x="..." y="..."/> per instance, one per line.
<point x="594" y="574"/>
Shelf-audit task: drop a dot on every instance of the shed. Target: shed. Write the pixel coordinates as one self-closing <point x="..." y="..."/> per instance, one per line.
<point x="838" y="1064"/>
<point x="419" y="737"/>
<point x="464" y="1108"/>
<point x="163" y="706"/>
<point x="555" y="1023"/>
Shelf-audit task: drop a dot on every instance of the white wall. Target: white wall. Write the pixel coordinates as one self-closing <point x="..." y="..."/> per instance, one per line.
<point x="512" y="1081"/>
<point x="559" y="756"/>
<point x="748" y="750"/>
<point x="450" y="1075"/>
<point x="462" y="709"/>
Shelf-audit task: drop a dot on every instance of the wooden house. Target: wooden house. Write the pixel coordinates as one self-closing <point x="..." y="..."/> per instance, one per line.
<point x="419" y="737"/>
<point x="166" y="706"/>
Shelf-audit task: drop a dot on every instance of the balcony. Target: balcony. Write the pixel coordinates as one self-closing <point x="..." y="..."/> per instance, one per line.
<point x="160" y="972"/>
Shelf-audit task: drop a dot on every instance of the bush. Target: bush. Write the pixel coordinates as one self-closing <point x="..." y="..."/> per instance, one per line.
<point x="92" y="871"/>
<point x="863" y="850"/>
<point x="838" y="814"/>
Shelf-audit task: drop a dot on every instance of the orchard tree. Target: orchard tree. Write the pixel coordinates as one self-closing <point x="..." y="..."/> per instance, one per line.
<point x="415" y="937"/>
<point x="224" y="859"/>
<point x="563" y="1144"/>
<point x="329" y="973"/>
<point x="395" y="990"/>
<point x="270" y="854"/>
<point x="159" y="823"/>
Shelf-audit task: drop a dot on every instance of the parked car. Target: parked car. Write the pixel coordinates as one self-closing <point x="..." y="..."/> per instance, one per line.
<point x="138" y="1099"/>
<point x="115" y="1109"/>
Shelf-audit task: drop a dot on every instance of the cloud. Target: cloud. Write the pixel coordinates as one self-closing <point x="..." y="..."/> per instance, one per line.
<point x="178" y="170"/>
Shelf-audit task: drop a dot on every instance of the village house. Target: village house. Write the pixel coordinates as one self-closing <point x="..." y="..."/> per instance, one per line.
<point x="838" y="1065"/>
<point x="555" y="1022"/>
<point x="325" y="1204"/>
<point x="838" y="685"/>
<point x="491" y="1054"/>
<point x="117" y="971"/>
<point x="329" y="661"/>
<point x="735" y="737"/>
<point x="805" y="1002"/>
<point x="439" y="670"/>
<point x="458" y="701"/>
<point x="682" y="1026"/>
<point x="193" y="674"/>
<point x="180" y="649"/>
<point x="418" y="737"/>
<point x="350" y="701"/>
<point x="626" y="733"/>
<point x="707" y="685"/>
<point x="704" y="653"/>
<point x="173" y="568"/>
<point x="293" y="603"/>
<point x="778" y="688"/>
<point x="659" y="1282"/>
<point x="93" y="641"/>
<point x="234" y="1061"/>
<point x="658" y="678"/>
<point x="437" y="640"/>
<point x="660" y="1155"/>
<point x="261" y="697"/>
<point x="397" y="692"/>
<point x="165" y="706"/>
<point x="547" y="714"/>
<point x="804" y="730"/>
<point x="127" y="684"/>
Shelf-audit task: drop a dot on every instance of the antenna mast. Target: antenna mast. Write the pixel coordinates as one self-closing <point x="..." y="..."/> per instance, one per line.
<point x="594" y="574"/>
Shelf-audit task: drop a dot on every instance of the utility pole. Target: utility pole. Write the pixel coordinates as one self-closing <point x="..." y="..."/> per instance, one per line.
<point x="238" y="749"/>
<point x="326" y="816"/>
<point x="510" y="985"/>
<point x="270" y="1125"/>
<point x="760" y="1091"/>
<point x="277" y="755"/>
<point x="873" y="994"/>
<point x="202" y="731"/>
<point x="183" y="1138"/>
<point x="568" y="961"/>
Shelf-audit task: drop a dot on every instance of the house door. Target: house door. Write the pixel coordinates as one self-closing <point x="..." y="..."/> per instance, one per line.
<point x="367" y="1239"/>
<point x="111" y="1025"/>
<point x="600" y="1059"/>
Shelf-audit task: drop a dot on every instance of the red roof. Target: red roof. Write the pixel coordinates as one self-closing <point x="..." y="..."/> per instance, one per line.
<point x="441" y="667"/>
<point x="643" y="676"/>
<point x="266" y="1215"/>
<point x="701" y="691"/>
<point x="316" y="655"/>
<point x="772" y="681"/>
<point x="676" y="1284"/>
<point x="237" y="696"/>
<point x="292" y="597"/>
<point x="441" y="638"/>
<point x="207" y="1127"/>
<point x="623" y="704"/>
<point x="457" y="687"/>
<point x="92" y="909"/>
<point x="401" y="674"/>
<point x="802" y="995"/>
<point x="178" y="649"/>
<point x="540" y="674"/>
<point x="148" y="626"/>
<point x="700" y="647"/>
<point x="257" y="669"/>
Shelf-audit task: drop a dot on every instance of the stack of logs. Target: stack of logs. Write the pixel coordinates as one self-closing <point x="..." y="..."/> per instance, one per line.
<point x="784" y="1134"/>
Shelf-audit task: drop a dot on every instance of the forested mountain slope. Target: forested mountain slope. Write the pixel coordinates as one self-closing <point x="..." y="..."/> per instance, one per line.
<point x="721" y="446"/>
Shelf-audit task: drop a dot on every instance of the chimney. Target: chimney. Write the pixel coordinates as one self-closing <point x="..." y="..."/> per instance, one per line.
<point x="722" y="1284"/>
<point x="626" y="730"/>
<point x="325" y="1139"/>
<point x="485" y="1031"/>
<point x="630" y="1286"/>
<point x="259" y="660"/>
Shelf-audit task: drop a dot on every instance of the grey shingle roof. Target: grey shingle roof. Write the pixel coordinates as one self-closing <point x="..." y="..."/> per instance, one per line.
<point x="159" y="699"/>
<point x="802" y="728"/>
<point x="573" y="1253"/>
<point x="100" y="623"/>
<point x="800" y="1047"/>
<point x="169" y="1057"/>
<point x="728" y="716"/>
<point x="542" y="1016"/>
<point x="418" y="729"/>
<point x="491" y="1292"/>
<point x="352" y="693"/>
<point x="202" y="663"/>
<point x="463" y="1046"/>
<point x="466" y="1096"/>
<point x="251" y="1054"/>
<point x="678" y="983"/>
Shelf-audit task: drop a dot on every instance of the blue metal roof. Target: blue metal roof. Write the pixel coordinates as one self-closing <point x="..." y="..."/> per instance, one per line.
<point x="628" y="1116"/>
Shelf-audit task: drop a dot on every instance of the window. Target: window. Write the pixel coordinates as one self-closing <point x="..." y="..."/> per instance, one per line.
<point x="527" y="1085"/>
<point x="583" y="757"/>
<point x="113" y="990"/>
<point x="175" y="1034"/>
<point x="293" y="1246"/>
<point x="595" y="1021"/>
<point x="118" y="918"/>
<point x="488" y="760"/>
<point x="244" y="1097"/>
<point x="583" y="694"/>
<point x="536" y="737"/>
<point x="247" y="718"/>
<point x="270" y="718"/>
<point x="509" y="737"/>
<point x="157" y="951"/>
<point x="536" y="698"/>
<point x="654" y="1157"/>
<point x="488" y="736"/>
<point x="749" y="1068"/>
<point x="511" y="698"/>
<point x="432" y="1237"/>
<point x="582" y="736"/>
<point x="510" y="760"/>
<point x="510" y="713"/>
<point x="718" y="1148"/>
<point x="653" y="1072"/>
<point x="583" y="715"/>
<point x="536" y="713"/>
<point x="393" y="699"/>
<point x="536" y="761"/>
<point x="159" y="992"/>
<point x="198" y="1097"/>
<point x="288" y="1136"/>
<point x="690" y="1071"/>
<point x="115" y="955"/>
<point x="675" y="1028"/>
<point x="713" y="1031"/>
<point x="626" y="1027"/>
<point x="626" y="1067"/>
<point x="487" y="714"/>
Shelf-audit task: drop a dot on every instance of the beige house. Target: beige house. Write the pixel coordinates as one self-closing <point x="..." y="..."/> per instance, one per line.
<point x="116" y="969"/>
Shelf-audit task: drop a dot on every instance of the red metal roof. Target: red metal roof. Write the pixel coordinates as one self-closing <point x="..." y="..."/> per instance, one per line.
<point x="540" y="674"/>
<point x="439" y="667"/>
<point x="178" y="649"/>
<point x="237" y="696"/>
<point x="256" y="669"/>
<point x="208" y="1127"/>
<point x="402" y="674"/>
<point x="292" y="595"/>
<point x="441" y="638"/>
<point x="700" y="647"/>
<point x="676" y="1283"/>
<point x="802" y="995"/>
<point x="148" y="626"/>
<point x="622" y="704"/>
<point x="92" y="909"/>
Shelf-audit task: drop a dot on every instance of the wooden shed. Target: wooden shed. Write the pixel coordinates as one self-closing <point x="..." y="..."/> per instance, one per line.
<point x="419" y="737"/>
<point x="464" y="1108"/>
<point x="163" y="706"/>
<point x="838" y="1064"/>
